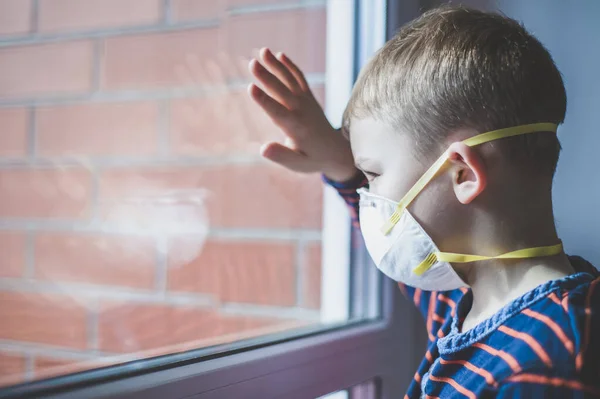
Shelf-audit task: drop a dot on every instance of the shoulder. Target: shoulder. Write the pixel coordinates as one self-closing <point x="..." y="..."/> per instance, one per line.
<point x="560" y="329"/>
<point x="541" y="382"/>
<point x="557" y="329"/>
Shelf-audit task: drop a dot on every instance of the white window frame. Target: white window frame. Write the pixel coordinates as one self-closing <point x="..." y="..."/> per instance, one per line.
<point x="319" y="360"/>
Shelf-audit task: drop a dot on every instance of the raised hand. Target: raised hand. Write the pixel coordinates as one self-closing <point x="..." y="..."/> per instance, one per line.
<point x="311" y="143"/>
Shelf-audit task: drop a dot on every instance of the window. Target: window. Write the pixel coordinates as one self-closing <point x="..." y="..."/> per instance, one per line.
<point x="145" y="244"/>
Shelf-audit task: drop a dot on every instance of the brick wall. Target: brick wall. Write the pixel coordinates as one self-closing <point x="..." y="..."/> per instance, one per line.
<point x="136" y="217"/>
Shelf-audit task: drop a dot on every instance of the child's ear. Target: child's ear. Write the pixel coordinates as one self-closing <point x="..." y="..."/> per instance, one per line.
<point x="469" y="177"/>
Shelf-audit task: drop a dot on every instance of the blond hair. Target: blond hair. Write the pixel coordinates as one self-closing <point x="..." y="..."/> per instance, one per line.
<point x="455" y="67"/>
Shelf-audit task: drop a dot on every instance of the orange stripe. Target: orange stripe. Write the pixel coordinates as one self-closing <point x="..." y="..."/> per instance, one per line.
<point x="455" y="384"/>
<point x="554" y="381"/>
<point x="428" y="356"/>
<point x="431" y="397"/>
<point x="436" y="317"/>
<point x="440" y="333"/>
<point x="463" y="290"/>
<point x="484" y="373"/>
<point x="450" y="303"/>
<point x="554" y="298"/>
<point x="529" y="340"/>
<point x="417" y="377"/>
<point x="588" y="321"/>
<point x="417" y="297"/>
<point x="511" y="361"/>
<point x="429" y="318"/>
<point x="406" y="397"/>
<point x="554" y="327"/>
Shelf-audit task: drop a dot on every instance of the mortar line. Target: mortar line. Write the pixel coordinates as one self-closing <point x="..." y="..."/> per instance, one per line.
<point x="36" y="349"/>
<point x="29" y="366"/>
<point x="29" y="271"/>
<point x="277" y="7"/>
<point x="149" y="28"/>
<point x="92" y="292"/>
<point x="221" y="234"/>
<point x="300" y="275"/>
<point x="164" y="128"/>
<point x="161" y="265"/>
<point x="35" y="12"/>
<point x="277" y="312"/>
<point x="95" y="197"/>
<point x="131" y="162"/>
<point x="97" y="60"/>
<point x="32" y="132"/>
<point x="167" y="12"/>
<point x="105" y="33"/>
<point x="314" y="79"/>
<point x="93" y="316"/>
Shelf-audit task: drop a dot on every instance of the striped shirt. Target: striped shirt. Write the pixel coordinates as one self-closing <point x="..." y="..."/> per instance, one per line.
<point x="544" y="344"/>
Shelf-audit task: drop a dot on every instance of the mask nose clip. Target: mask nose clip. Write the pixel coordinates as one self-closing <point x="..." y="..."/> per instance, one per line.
<point x="426" y="264"/>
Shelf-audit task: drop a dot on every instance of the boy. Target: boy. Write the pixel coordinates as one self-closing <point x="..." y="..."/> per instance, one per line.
<point x="462" y="219"/>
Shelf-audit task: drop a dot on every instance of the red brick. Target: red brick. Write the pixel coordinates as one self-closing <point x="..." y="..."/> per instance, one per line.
<point x="45" y="193"/>
<point x="12" y="369"/>
<point x="43" y="318"/>
<point x="158" y="60"/>
<point x="233" y="271"/>
<point x="224" y="124"/>
<point x="311" y="275"/>
<point x="13" y="132"/>
<point x="260" y="196"/>
<point x="65" y="15"/>
<point x="187" y="10"/>
<point x="12" y="248"/>
<point x="127" y="328"/>
<point x="67" y="68"/>
<point x="96" y="259"/>
<point x="98" y="129"/>
<point x="15" y="16"/>
<point x="300" y="34"/>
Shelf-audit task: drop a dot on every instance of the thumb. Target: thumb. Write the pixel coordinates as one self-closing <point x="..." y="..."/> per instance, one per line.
<point x="288" y="158"/>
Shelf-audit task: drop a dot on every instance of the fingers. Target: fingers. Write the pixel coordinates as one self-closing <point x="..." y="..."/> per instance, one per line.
<point x="277" y="112"/>
<point x="273" y="85"/>
<point x="298" y="75"/>
<point x="287" y="157"/>
<point x="278" y="69"/>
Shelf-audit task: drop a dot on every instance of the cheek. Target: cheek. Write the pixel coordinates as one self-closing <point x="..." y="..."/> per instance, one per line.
<point x="435" y="208"/>
<point x="390" y="187"/>
<point x="398" y="178"/>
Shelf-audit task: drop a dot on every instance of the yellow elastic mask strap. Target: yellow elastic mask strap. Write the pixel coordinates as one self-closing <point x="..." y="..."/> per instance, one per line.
<point x="472" y="141"/>
<point x="449" y="257"/>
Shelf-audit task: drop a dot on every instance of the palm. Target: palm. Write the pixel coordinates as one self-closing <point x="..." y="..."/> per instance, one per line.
<point x="311" y="144"/>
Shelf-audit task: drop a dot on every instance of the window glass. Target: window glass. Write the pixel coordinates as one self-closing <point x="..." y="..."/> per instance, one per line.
<point x="136" y="216"/>
<point x="366" y="390"/>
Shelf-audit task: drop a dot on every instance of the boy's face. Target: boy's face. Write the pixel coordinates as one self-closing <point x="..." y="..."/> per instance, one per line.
<point x="390" y="161"/>
<point x="386" y="157"/>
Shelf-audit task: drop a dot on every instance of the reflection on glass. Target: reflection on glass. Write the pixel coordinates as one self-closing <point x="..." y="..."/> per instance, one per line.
<point x="136" y="217"/>
<point x="366" y="390"/>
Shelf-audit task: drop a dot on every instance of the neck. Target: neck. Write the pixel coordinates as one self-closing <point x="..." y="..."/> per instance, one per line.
<point x="495" y="283"/>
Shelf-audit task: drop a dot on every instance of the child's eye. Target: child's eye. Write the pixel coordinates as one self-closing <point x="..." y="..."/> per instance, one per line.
<point x="370" y="175"/>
